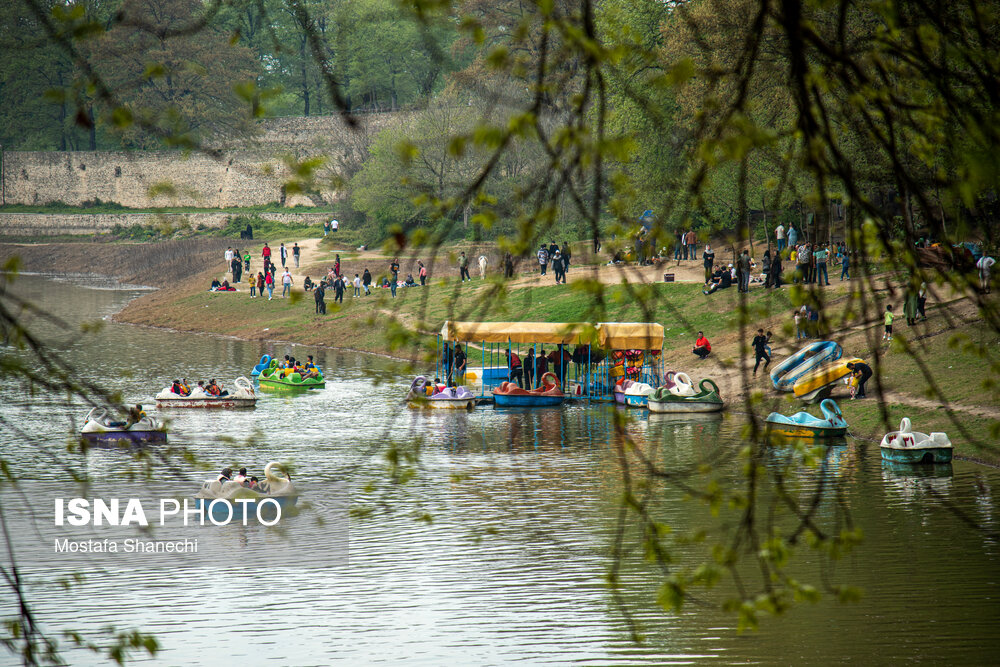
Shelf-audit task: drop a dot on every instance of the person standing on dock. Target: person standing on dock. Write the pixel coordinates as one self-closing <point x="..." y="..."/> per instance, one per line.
<point x="541" y="365"/>
<point x="446" y="360"/>
<point x="460" y="363"/>
<point x="529" y="368"/>
<point x="515" y="371"/>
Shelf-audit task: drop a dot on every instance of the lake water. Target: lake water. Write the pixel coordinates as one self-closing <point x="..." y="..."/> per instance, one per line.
<point x="522" y="507"/>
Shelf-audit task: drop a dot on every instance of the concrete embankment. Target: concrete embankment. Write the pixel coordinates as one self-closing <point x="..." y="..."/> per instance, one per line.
<point x="56" y="224"/>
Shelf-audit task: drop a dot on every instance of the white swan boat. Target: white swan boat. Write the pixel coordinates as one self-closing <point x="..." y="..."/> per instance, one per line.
<point x="909" y="446"/>
<point x="99" y="428"/>
<point x="242" y="396"/>
<point x="274" y="486"/>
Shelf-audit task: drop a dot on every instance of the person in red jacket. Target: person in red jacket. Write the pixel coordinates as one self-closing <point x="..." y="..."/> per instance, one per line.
<point x="702" y="347"/>
<point x="266" y="254"/>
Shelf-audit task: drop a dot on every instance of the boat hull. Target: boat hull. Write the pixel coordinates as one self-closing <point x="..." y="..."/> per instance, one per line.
<point x="801" y="431"/>
<point x="128" y="437"/>
<point x="917" y="455"/>
<point x="441" y="403"/>
<point x="636" y="401"/>
<point x="682" y="406"/>
<point x="228" y="402"/>
<point x="524" y="401"/>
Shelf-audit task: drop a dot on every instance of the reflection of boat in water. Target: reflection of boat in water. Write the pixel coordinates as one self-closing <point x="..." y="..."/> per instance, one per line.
<point x="509" y="395"/>
<point x="99" y="428"/>
<point x="678" y="395"/>
<point x="908" y="446"/>
<point x="237" y="498"/>
<point x="242" y="397"/>
<point x="805" y="425"/>
<point x="913" y="481"/>
<point x="443" y="398"/>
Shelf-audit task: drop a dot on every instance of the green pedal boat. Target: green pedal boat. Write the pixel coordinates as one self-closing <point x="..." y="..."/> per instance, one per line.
<point x="275" y="379"/>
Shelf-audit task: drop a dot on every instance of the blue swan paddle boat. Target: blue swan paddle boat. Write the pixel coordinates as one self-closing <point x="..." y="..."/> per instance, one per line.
<point x="794" y="367"/>
<point x="804" y="425"/>
<point x="265" y="361"/>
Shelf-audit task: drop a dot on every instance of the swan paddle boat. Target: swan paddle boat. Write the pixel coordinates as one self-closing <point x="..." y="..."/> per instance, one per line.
<point x="804" y="425"/>
<point x="242" y="396"/>
<point x="909" y="446"/>
<point x="423" y="394"/>
<point x="274" y="379"/>
<point x="817" y="383"/>
<point x="509" y="395"/>
<point x="678" y="395"/>
<point x="633" y="394"/>
<point x="99" y="428"/>
<point x="785" y="374"/>
<point x="273" y="486"/>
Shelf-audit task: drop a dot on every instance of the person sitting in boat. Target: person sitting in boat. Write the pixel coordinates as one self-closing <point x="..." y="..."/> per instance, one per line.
<point x="241" y="478"/>
<point x="253" y="483"/>
<point x="135" y="415"/>
<point x="310" y="370"/>
<point x="177" y="388"/>
<point x="308" y="284"/>
<point x="215" y="389"/>
<point x="226" y="476"/>
<point x="185" y="387"/>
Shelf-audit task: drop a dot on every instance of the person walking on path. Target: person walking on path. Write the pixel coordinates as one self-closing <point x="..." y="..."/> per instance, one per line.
<point x="235" y="267"/>
<point x="566" y="255"/>
<point x="557" y="267"/>
<point x="775" y="274"/>
<point x="422" y="273"/>
<point x="463" y="267"/>
<point x="679" y="248"/>
<point x="845" y="265"/>
<point x="394" y="279"/>
<point x="357" y="285"/>
<point x="319" y="294"/>
<point x="269" y="284"/>
<point x="922" y="302"/>
<point x="692" y="241"/>
<point x="543" y="258"/>
<point x="863" y="372"/>
<point x="702" y="348"/>
<point x="366" y="280"/>
<point x="887" y="336"/>
<point x="759" y="344"/>
<point x="779" y="235"/>
<point x="336" y="265"/>
<point x="246" y="261"/>
<point x="326" y="227"/>
<point x="338" y="289"/>
<point x="708" y="259"/>
<point x="296" y="250"/>
<point x="253" y="287"/>
<point x="793" y="236"/>
<point x="985" y="266"/>
<point x="265" y="254"/>
<point x="910" y="305"/>
<point x="508" y="266"/>
<point x="283" y="251"/>
<point x="743" y="270"/>
<point x="286" y="283"/>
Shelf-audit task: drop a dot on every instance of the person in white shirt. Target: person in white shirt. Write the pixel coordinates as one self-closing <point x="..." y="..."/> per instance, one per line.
<point x="779" y="233"/>
<point x="229" y="257"/>
<point x="334" y="225"/>
<point x="985" y="266"/>
<point x="357" y="285"/>
<point x="286" y="283"/>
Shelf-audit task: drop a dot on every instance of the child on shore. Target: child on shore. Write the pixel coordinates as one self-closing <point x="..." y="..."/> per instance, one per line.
<point x="800" y="330"/>
<point x="887" y="336"/>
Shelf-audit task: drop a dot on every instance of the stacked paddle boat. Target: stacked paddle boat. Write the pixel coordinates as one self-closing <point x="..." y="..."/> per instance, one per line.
<point x="812" y="372"/>
<point x="805" y="425"/>
<point x="242" y="396"/>
<point x="678" y="395"/>
<point x="276" y="379"/>
<point x="100" y="428"/>
<point x="424" y="394"/>
<point x="509" y="395"/>
<point x="909" y="446"/>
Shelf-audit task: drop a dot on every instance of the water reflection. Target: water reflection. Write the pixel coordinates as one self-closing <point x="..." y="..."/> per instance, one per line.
<point x="521" y="506"/>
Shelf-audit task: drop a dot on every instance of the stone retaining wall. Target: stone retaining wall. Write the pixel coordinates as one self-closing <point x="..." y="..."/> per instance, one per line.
<point x="44" y="224"/>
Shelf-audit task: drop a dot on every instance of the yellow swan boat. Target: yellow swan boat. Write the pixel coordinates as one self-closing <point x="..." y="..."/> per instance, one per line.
<point x="813" y="386"/>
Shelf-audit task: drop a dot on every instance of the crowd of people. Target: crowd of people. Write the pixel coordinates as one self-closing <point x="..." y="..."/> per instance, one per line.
<point x="184" y="388"/>
<point x="241" y="478"/>
<point x="558" y="257"/>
